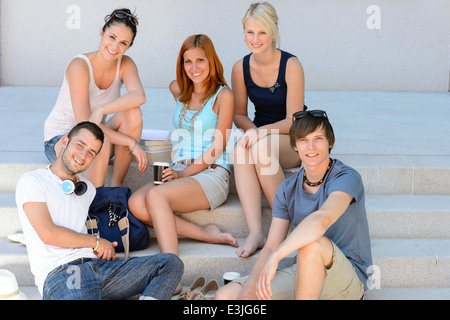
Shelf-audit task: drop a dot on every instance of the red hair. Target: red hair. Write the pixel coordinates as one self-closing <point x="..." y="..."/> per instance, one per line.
<point x="215" y="78"/>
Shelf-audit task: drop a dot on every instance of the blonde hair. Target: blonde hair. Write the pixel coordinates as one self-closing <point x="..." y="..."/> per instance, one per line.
<point x="266" y="17"/>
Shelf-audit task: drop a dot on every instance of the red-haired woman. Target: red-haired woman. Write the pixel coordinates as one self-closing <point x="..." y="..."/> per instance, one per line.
<point x="199" y="176"/>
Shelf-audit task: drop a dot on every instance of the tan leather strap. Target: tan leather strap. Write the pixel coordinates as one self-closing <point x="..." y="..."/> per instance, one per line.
<point x="125" y="224"/>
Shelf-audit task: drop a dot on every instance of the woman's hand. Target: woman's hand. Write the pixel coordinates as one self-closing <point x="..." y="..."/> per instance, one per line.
<point x="141" y="157"/>
<point x="171" y="174"/>
<point x="251" y="136"/>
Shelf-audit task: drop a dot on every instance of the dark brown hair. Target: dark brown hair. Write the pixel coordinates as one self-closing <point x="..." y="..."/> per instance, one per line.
<point x="130" y="21"/>
<point x="91" y="127"/>
<point x="300" y="128"/>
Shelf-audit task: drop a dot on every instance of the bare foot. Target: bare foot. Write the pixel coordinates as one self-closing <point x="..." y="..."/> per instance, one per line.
<point x="251" y="244"/>
<point x="215" y="235"/>
<point x="178" y="289"/>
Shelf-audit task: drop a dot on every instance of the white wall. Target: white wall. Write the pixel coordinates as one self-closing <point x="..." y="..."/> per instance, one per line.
<point x="409" y="52"/>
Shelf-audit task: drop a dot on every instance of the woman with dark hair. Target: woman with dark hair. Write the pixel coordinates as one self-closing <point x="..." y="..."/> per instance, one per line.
<point x="91" y="91"/>
<point x="199" y="176"/>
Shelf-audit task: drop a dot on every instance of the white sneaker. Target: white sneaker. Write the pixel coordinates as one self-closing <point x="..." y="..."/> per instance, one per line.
<point x="17" y="237"/>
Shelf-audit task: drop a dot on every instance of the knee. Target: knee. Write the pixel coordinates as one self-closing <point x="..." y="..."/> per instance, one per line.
<point x="135" y="203"/>
<point x="312" y="250"/>
<point x="153" y="198"/>
<point x="134" y="115"/>
<point x="173" y="262"/>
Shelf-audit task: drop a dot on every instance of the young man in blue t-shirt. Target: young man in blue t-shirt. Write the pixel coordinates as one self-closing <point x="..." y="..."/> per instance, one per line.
<point x="325" y="204"/>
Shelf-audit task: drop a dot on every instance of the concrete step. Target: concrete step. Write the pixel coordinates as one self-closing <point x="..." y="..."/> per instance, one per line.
<point x="389" y="216"/>
<point x="397" y="262"/>
<point x="382" y="174"/>
<point x="431" y="293"/>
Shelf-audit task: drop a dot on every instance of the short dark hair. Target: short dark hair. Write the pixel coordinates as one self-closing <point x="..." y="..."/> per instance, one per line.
<point x="300" y="128"/>
<point x="91" y="127"/>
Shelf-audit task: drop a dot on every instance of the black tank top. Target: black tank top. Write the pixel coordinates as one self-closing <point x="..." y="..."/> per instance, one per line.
<point x="270" y="103"/>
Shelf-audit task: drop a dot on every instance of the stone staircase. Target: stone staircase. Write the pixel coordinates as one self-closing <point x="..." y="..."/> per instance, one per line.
<point x="408" y="206"/>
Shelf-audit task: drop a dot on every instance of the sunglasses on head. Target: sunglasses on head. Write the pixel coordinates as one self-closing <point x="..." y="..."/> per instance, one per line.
<point x="314" y="113"/>
<point x="123" y="15"/>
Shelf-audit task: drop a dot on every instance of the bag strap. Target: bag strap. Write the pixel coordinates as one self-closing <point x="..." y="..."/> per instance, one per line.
<point x="91" y="224"/>
<point x="124" y="223"/>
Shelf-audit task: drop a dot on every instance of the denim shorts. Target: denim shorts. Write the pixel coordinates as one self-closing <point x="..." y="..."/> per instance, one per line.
<point x="215" y="183"/>
<point x="49" y="148"/>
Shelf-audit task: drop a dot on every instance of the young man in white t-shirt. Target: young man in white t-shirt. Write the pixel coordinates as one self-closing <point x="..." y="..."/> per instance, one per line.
<point x="67" y="262"/>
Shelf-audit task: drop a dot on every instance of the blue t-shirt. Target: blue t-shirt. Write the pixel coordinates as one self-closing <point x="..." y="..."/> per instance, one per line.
<point x="351" y="231"/>
<point x="193" y="141"/>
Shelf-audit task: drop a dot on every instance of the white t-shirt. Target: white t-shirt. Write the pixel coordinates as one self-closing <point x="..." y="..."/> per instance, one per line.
<point x="69" y="211"/>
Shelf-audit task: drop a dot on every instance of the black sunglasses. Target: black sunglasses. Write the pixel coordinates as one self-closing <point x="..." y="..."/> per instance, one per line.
<point x="123" y="15"/>
<point x="315" y="113"/>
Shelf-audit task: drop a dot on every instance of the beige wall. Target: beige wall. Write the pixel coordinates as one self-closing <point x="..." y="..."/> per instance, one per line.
<point x="408" y="52"/>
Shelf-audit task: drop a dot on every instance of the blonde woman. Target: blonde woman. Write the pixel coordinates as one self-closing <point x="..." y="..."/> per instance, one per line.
<point x="274" y="81"/>
<point x="91" y="91"/>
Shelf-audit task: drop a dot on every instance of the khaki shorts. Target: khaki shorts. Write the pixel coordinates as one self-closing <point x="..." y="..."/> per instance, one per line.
<point x="215" y="183"/>
<point x="341" y="281"/>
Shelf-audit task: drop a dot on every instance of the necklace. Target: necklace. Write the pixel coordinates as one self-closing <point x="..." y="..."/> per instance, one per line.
<point x="315" y="184"/>
<point x="182" y="116"/>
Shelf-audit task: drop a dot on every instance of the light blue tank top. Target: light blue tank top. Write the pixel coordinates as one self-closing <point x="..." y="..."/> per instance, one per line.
<point x="191" y="142"/>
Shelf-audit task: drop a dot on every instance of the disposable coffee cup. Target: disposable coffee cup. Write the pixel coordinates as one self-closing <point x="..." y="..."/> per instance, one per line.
<point x="158" y="168"/>
<point x="230" y="276"/>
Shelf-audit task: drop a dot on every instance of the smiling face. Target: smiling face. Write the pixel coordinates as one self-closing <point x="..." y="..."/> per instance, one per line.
<point x="257" y="38"/>
<point x="79" y="151"/>
<point x="314" y="149"/>
<point x="196" y="65"/>
<point x="115" y="40"/>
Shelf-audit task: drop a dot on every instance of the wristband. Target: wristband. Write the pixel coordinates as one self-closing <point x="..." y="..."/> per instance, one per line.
<point x="97" y="235"/>
<point x="132" y="149"/>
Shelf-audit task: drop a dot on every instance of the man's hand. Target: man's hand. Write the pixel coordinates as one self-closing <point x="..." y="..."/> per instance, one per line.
<point x="105" y="250"/>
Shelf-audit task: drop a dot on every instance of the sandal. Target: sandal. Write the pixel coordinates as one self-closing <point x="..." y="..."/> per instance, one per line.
<point x="190" y="294"/>
<point x="210" y="286"/>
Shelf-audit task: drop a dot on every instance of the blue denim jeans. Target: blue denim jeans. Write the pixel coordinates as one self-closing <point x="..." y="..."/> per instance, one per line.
<point x="154" y="276"/>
